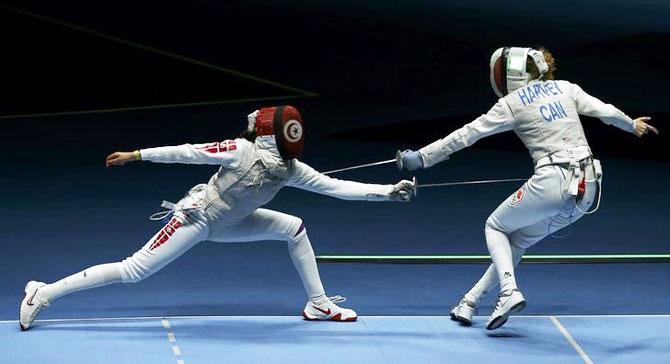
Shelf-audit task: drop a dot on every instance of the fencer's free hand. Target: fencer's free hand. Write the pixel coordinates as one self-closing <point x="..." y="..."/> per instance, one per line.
<point x="642" y="128"/>
<point x="119" y="158"/>
<point x="411" y="160"/>
<point x="402" y="191"/>
<point x="251" y="120"/>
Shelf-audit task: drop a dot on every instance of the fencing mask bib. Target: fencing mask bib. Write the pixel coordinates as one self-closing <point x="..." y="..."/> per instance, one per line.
<point x="508" y="68"/>
<point x="285" y="123"/>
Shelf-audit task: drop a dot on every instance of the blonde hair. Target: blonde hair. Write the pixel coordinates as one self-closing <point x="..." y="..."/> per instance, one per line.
<point x="551" y="62"/>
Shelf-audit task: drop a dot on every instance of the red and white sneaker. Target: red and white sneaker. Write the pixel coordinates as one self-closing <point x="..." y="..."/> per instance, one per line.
<point x="329" y="311"/>
<point x="32" y="304"/>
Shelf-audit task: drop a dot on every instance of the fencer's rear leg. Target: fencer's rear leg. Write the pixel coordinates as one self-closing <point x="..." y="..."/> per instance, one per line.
<point x="175" y="238"/>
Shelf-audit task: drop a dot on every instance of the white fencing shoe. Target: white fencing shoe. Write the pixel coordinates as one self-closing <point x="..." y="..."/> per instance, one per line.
<point x="329" y="311"/>
<point x="32" y="304"/>
<point x="508" y="302"/>
<point x="464" y="311"/>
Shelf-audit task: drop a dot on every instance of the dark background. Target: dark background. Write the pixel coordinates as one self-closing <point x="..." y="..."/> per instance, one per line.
<point x="417" y="67"/>
<point x="369" y="77"/>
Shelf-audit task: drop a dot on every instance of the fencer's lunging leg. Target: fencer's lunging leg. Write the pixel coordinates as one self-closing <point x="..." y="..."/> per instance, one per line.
<point x="264" y="224"/>
<point x="319" y="306"/>
<point x="304" y="260"/>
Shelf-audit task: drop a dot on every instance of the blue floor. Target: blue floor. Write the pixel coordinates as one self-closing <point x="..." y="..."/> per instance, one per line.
<point x="373" y="339"/>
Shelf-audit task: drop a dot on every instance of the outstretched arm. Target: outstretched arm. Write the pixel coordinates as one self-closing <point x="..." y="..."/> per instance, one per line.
<point x="497" y="120"/>
<point x="217" y="153"/>
<point x="307" y="178"/>
<point x="591" y="106"/>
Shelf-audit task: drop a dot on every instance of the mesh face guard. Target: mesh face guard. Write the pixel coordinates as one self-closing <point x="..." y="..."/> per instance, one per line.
<point x="508" y="68"/>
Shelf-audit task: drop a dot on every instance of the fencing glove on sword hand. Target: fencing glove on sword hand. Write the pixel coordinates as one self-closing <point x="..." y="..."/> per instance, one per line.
<point x="411" y="160"/>
<point x="402" y="191"/>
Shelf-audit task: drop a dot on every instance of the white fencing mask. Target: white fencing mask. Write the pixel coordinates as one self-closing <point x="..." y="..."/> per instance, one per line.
<point x="508" y="68"/>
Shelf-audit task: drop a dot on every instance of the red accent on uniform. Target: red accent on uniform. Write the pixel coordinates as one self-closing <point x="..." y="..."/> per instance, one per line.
<point x="337" y="317"/>
<point x="264" y="121"/>
<point x="210" y="147"/>
<point x="517" y="197"/>
<point x="581" y="188"/>
<point x="166" y="233"/>
<point x="219" y="147"/>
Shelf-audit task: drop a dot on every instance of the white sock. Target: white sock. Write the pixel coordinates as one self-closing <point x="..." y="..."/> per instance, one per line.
<point x="304" y="261"/>
<point x="501" y="254"/>
<point x="489" y="280"/>
<point x="96" y="276"/>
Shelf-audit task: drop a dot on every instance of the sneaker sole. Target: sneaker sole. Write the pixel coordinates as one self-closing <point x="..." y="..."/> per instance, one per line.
<point x="497" y="322"/>
<point x="25" y="294"/>
<point x="501" y="320"/>
<point x="518" y="307"/>
<point x="460" y="319"/>
<point x="336" y="318"/>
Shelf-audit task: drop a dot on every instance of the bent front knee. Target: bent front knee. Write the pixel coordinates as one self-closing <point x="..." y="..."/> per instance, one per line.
<point x="492" y="225"/>
<point x="296" y="231"/>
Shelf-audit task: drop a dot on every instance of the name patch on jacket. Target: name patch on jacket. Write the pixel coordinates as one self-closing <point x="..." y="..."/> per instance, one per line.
<point x="550" y="111"/>
<point x="538" y="91"/>
<point x="553" y="111"/>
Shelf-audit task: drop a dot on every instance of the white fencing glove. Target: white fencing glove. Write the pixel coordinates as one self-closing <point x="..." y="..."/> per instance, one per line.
<point x="251" y="118"/>
<point x="411" y="160"/>
<point x="402" y="191"/>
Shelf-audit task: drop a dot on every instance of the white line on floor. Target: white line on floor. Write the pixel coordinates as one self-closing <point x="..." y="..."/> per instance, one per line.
<point x="172" y="340"/>
<point x="571" y="340"/>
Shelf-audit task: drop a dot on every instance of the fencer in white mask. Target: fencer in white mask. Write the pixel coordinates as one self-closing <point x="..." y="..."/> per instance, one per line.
<point x="252" y="169"/>
<point x="544" y="114"/>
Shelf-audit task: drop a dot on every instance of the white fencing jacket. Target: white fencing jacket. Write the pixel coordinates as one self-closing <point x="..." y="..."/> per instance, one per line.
<point x="251" y="174"/>
<point x="543" y="114"/>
